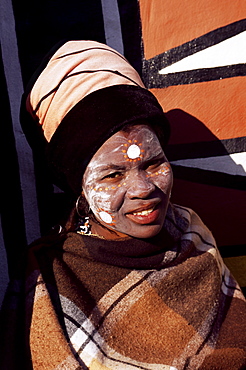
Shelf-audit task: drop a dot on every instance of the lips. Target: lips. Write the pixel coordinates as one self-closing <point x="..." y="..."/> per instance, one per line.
<point x="144" y="215"/>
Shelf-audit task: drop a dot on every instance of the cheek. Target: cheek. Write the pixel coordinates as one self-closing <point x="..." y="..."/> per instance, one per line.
<point x="105" y="202"/>
<point x="100" y="204"/>
<point x="98" y="198"/>
<point x="163" y="179"/>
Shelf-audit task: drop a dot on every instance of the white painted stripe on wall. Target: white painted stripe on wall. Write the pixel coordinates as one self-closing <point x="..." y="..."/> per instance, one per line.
<point x="112" y="25"/>
<point x="228" y="52"/>
<point x="233" y="164"/>
<point x="13" y="77"/>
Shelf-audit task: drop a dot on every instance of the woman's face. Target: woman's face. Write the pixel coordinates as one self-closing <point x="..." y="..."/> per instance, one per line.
<point x="128" y="183"/>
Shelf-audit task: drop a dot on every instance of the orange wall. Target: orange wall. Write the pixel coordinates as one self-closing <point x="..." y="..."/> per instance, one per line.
<point x="166" y="24"/>
<point x="218" y="106"/>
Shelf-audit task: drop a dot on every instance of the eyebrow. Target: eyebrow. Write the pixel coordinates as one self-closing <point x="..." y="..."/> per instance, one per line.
<point x="112" y="166"/>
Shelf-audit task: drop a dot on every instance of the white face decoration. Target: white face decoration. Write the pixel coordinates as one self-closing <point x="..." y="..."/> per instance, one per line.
<point x="128" y="183"/>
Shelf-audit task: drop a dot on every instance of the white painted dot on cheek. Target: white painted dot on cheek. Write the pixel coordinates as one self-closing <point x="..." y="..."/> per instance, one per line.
<point x="133" y="151"/>
<point x="105" y="217"/>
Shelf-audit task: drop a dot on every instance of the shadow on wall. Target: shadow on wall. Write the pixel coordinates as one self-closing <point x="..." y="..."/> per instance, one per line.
<point x="206" y="176"/>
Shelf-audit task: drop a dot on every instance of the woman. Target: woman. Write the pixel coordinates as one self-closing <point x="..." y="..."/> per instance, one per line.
<point x="130" y="281"/>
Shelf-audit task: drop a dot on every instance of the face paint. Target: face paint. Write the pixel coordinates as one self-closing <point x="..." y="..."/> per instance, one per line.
<point x="133" y="152"/>
<point x="105" y="217"/>
<point x="128" y="181"/>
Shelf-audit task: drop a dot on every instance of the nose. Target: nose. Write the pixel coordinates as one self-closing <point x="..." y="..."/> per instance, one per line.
<point x="139" y="186"/>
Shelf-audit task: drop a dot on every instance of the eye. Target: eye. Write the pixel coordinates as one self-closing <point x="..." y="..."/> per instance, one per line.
<point x="113" y="176"/>
<point x="152" y="165"/>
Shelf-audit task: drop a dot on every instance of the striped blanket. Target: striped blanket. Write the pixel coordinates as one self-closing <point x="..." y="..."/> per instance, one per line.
<point x="90" y="303"/>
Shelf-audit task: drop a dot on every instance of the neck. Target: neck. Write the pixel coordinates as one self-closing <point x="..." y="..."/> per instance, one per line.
<point x="105" y="232"/>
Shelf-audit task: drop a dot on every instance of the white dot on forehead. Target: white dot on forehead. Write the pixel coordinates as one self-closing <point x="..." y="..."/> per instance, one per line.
<point x="133" y="151"/>
<point x="105" y="217"/>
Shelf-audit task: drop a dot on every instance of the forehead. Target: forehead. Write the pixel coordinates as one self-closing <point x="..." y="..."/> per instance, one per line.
<point x="136" y="139"/>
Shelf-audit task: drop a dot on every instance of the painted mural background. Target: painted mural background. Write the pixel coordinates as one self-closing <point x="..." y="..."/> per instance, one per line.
<point x="192" y="56"/>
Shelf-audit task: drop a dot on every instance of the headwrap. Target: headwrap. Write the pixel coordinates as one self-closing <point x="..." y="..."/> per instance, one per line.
<point x="86" y="93"/>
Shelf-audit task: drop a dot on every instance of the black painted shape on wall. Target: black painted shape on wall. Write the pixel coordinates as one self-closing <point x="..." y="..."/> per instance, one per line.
<point x="151" y="67"/>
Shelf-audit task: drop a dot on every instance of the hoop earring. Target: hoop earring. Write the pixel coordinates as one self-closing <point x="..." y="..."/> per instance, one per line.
<point x="77" y="206"/>
<point x="83" y="226"/>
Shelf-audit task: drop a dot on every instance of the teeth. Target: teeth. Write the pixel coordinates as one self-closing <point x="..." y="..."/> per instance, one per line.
<point x="143" y="213"/>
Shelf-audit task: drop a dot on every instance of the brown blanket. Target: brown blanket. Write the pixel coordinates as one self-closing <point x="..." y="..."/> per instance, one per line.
<point x="88" y="303"/>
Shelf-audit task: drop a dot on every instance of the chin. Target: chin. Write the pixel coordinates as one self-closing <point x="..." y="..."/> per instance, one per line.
<point x="146" y="232"/>
<point x="140" y="231"/>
